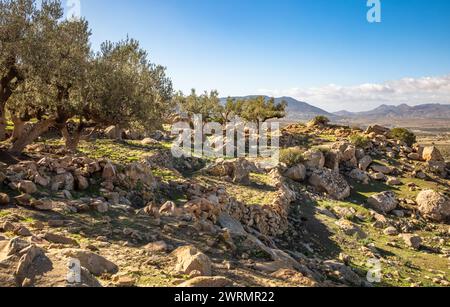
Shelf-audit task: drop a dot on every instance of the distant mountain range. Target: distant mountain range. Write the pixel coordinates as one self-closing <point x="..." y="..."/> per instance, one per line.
<point x="300" y="111"/>
<point x="404" y="111"/>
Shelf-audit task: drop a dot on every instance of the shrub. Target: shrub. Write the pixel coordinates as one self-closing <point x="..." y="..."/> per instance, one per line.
<point x="320" y="120"/>
<point x="403" y="135"/>
<point x="360" y="140"/>
<point x="291" y="156"/>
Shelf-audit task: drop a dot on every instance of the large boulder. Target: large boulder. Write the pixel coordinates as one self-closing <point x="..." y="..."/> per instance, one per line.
<point x="190" y="259"/>
<point x="330" y="182"/>
<point x="296" y="173"/>
<point x="314" y="159"/>
<point x="431" y="153"/>
<point x="378" y="130"/>
<point x="95" y="264"/>
<point x="433" y="206"/>
<point x="384" y="202"/>
<point x="332" y="159"/>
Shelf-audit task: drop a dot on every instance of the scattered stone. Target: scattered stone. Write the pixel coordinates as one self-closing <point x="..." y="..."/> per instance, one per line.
<point x="156" y="247"/>
<point x="351" y="229"/>
<point x="314" y="159"/>
<point x="386" y="170"/>
<point x="411" y="240"/>
<point x="393" y="181"/>
<point x="359" y="176"/>
<point x="383" y="202"/>
<point x="390" y="231"/>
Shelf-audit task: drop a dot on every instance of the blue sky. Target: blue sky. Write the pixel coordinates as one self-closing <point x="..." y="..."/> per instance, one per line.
<point x="319" y="50"/>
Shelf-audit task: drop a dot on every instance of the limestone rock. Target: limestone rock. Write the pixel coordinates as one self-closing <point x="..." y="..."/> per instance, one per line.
<point x="383" y="202"/>
<point x="296" y="173"/>
<point x="191" y="259"/>
<point x="433" y="205"/>
<point x="330" y="182"/>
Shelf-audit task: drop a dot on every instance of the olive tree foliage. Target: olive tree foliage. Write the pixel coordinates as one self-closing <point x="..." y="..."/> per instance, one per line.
<point x="128" y="91"/>
<point x="24" y="33"/>
<point x="260" y="109"/>
<point x="207" y="105"/>
<point x="55" y="89"/>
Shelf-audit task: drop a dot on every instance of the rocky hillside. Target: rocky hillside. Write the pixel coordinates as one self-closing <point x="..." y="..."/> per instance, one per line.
<point x="132" y="215"/>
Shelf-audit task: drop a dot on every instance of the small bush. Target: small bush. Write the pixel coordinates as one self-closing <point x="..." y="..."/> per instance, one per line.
<point x="403" y="135"/>
<point x="321" y="120"/>
<point x="360" y="140"/>
<point x="291" y="156"/>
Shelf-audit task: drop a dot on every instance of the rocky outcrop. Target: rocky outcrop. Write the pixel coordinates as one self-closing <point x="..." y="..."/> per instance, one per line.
<point x="236" y="170"/>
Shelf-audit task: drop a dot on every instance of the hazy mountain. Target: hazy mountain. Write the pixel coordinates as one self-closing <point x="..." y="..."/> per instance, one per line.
<point x="404" y="111"/>
<point x="296" y="110"/>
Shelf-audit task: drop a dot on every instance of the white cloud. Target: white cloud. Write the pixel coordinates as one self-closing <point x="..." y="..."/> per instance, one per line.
<point x="367" y="96"/>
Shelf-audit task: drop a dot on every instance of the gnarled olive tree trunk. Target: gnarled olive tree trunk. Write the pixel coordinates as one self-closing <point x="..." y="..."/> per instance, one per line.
<point x="36" y="130"/>
<point x="72" y="139"/>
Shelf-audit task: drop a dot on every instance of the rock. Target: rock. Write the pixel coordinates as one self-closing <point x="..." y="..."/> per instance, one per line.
<point x="386" y="170"/>
<point x="383" y="202"/>
<point x="345" y="272"/>
<point x="191" y="259"/>
<point x="233" y="226"/>
<point x="390" y="231"/>
<point x="377" y="176"/>
<point x="112" y="132"/>
<point x="4" y="199"/>
<point x="94" y="263"/>
<point x="365" y="162"/>
<point x="332" y="160"/>
<point x="330" y="182"/>
<point x="294" y="277"/>
<point x="149" y="141"/>
<point x="411" y="240"/>
<point x="207" y="282"/>
<point x="100" y="206"/>
<point x="23" y="199"/>
<point x="296" y="173"/>
<point x="81" y="182"/>
<point x="360" y="176"/>
<point x="169" y="208"/>
<point x="350" y="229"/>
<point x="414" y="156"/>
<point x="237" y="170"/>
<point x="27" y="187"/>
<point x="433" y="206"/>
<point x="42" y="181"/>
<point x="59" y="239"/>
<point x="431" y="153"/>
<point x="109" y="172"/>
<point x="393" y="181"/>
<point x="314" y="159"/>
<point x="378" y="130"/>
<point x="29" y="255"/>
<point x="156" y="247"/>
<point x="22" y="231"/>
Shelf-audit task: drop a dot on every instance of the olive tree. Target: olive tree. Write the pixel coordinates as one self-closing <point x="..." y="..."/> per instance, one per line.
<point x="25" y="31"/>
